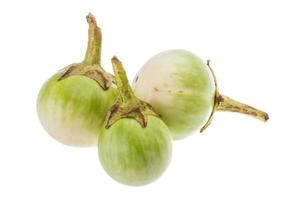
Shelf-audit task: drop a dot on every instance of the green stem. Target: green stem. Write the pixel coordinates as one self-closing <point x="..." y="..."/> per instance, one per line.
<point x="127" y="104"/>
<point x="91" y="67"/>
<point x="93" y="52"/>
<point x="125" y="92"/>
<point x="225" y="103"/>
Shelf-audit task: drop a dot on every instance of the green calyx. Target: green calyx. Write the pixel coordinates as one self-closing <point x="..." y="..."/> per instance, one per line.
<point x="90" y="67"/>
<point x="224" y="103"/>
<point x="127" y="104"/>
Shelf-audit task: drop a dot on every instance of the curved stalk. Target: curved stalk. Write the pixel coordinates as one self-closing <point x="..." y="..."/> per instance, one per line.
<point x="90" y="67"/>
<point x="126" y="94"/>
<point x="93" y="52"/>
<point x="127" y="104"/>
<point x="225" y="103"/>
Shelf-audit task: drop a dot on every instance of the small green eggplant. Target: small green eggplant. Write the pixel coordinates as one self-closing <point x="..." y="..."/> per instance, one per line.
<point x="135" y="144"/>
<point x="73" y="103"/>
<point x="183" y="89"/>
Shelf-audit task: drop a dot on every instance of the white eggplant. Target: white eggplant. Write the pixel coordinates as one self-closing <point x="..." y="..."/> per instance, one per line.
<point x="182" y="88"/>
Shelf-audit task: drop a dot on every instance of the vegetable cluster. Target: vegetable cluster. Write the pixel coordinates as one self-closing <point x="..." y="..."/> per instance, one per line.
<point x="173" y="95"/>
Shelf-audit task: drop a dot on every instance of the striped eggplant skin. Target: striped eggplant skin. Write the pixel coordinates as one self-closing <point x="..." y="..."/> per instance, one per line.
<point x="134" y="155"/>
<point x="72" y="110"/>
<point x="180" y="87"/>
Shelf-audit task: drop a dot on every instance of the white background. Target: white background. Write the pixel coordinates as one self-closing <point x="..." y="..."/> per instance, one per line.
<point x="249" y="43"/>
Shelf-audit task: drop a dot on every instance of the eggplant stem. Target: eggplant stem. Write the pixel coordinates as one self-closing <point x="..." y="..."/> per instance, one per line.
<point x="225" y="103"/>
<point x="93" y="53"/>
<point x="127" y="104"/>
<point x="126" y="93"/>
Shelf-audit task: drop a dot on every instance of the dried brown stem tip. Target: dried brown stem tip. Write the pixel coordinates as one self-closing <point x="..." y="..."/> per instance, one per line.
<point x="91" y="19"/>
